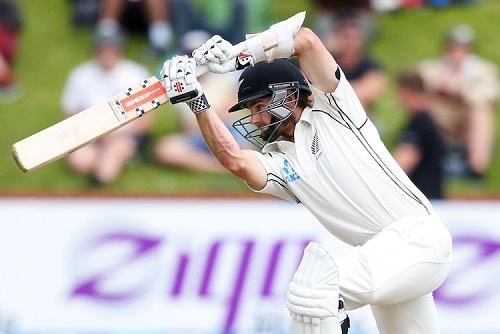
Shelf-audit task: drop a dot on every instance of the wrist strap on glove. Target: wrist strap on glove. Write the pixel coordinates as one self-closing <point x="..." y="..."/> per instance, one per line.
<point x="199" y="104"/>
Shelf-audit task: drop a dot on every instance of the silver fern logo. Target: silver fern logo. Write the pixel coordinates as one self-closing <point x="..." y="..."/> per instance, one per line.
<point x="315" y="149"/>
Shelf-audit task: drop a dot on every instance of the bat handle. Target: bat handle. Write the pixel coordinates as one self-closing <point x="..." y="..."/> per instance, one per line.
<point x="183" y="92"/>
<point x="233" y="53"/>
<point x="236" y="49"/>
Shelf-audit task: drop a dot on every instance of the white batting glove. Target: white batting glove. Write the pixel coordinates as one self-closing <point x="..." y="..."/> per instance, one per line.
<point x="179" y="78"/>
<point x="275" y="42"/>
<point x="215" y="54"/>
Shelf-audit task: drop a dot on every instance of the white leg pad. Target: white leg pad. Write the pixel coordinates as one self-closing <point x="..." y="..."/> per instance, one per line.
<point x="313" y="294"/>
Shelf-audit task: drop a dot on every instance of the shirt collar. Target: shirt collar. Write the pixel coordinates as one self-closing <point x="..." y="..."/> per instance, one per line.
<point x="306" y="115"/>
<point x="282" y="145"/>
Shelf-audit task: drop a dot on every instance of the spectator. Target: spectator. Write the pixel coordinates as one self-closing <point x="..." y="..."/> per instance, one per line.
<point x="209" y="17"/>
<point x="347" y="42"/>
<point x="464" y="89"/>
<point x="169" y="18"/>
<point x="116" y="13"/>
<point x="421" y="146"/>
<point x="326" y="14"/>
<point x="92" y="82"/>
<point x="186" y="148"/>
<point x="10" y="27"/>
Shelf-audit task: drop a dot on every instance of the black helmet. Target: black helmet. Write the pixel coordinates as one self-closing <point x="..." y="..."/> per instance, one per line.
<point x="255" y="81"/>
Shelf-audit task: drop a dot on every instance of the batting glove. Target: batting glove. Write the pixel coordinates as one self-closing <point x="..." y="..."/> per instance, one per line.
<point x="215" y="54"/>
<point x="179" y="78"/>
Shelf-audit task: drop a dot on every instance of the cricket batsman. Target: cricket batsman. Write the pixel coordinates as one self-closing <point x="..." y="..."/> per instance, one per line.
<point x="319" y="148"/>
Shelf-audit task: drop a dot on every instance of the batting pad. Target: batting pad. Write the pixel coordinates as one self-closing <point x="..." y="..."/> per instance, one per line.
<point x="313" y="294"/>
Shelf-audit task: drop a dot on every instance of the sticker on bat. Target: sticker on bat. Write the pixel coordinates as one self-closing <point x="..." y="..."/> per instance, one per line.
<point x="142" y="96"/>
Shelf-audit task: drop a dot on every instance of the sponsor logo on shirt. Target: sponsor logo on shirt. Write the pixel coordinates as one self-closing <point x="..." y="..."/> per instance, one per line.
<point x="289" y="173"/>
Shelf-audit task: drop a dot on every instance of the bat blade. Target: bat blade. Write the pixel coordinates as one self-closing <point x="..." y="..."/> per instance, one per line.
<point x="84" y="127"/>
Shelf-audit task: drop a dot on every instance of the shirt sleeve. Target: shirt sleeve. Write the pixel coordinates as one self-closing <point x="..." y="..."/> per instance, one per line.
<point x="276" y="184"/>
<point x="341" y="103"/>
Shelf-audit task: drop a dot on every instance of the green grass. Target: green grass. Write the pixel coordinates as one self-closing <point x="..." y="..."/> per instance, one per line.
<point x="51" y="47"/>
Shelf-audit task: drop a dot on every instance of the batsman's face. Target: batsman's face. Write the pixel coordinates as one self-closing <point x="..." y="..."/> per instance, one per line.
<point x="260" y="117"/>
<point x="263" y="119"/>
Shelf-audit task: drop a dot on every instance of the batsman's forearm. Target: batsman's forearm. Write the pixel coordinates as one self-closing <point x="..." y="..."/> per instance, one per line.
<point x="219" y="139"/>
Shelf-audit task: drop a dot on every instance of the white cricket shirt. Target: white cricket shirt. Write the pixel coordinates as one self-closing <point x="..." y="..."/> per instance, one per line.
<point x="340" y="169"/>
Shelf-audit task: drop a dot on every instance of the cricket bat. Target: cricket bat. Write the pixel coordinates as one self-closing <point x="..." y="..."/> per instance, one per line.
<point x="92" y="123"/>
<point x="82" y="128"/>
<point x="76" y="131"/>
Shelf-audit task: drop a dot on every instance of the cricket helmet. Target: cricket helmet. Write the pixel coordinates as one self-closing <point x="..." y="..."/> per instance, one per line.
<point x="255" y="80"/>
<point x="281" y="80"/>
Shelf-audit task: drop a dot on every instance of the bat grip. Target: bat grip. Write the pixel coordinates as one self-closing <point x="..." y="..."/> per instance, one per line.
<point x="183" y="92"/>
<point x="235" y="50"/>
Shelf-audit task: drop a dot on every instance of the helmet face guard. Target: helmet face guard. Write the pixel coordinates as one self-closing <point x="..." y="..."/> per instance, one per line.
<point x="283" y="102"/>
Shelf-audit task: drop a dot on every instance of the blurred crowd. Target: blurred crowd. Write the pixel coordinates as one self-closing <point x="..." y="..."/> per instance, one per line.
<point x="11" y="23"/>
<point x="448" y="101"/>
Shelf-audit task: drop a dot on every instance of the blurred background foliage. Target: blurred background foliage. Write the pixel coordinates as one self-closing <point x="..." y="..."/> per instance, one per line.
<point x="51" y="46"/>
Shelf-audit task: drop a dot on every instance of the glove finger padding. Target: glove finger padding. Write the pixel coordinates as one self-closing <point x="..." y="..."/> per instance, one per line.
<point x="213" y="51"/>
<point x="217" y="47"/>
<point x="173" y="69"/>
<point x="190" y="73"/>
<point x="165" y="77"/>
<point x="177" y="66"/>
<point x="199" y="54"/>
<point x="181" y="84"/>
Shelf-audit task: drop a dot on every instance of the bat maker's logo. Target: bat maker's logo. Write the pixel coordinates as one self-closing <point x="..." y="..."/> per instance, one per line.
<point x="179" y="87"/>
<point x="144" y="95"/>
<point x="140" y="98"/>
